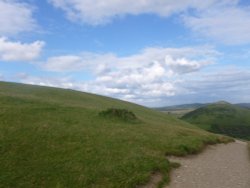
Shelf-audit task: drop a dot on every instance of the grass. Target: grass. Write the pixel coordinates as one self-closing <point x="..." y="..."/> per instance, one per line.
<point x="222" y="118"/>
<point x="53" y="137"/>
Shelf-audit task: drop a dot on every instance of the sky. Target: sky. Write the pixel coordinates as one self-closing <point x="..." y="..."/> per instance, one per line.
<point x="150" y="52"/>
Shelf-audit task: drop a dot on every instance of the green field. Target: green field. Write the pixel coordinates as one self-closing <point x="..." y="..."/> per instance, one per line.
<point x="53" y="137"/>
<point x="222" y="118"/>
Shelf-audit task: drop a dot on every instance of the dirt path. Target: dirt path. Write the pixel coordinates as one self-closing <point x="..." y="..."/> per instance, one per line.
<point x="219" y="166"/>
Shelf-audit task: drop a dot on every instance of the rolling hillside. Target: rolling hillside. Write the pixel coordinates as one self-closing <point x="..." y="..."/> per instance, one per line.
<point x="223" y="118"/>
<point x="52" y="137"/>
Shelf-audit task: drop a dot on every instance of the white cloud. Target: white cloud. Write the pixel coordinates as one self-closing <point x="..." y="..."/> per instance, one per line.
<point x="15" y="17"/>
<point x="64" y="63"/>
<point x="188" y="59"/>
<point x="183" y="65"/>
<point x="17" y="51"/>
<point x="227" y="83"/>
<point x="97" y="12"/>
<point x="62" y="82"/>
<point x="231" y="84"/>
<point x="152" y="73"/>
<point x="1" y="77"/>
<point x="75" y="63"/>
<point x="224" y="22"/>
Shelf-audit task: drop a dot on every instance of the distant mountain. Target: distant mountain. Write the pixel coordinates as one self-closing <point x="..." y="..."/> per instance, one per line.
<point x="182" y="107"/>
<point x="223" y="118"/>
<point x="244" y="105"/>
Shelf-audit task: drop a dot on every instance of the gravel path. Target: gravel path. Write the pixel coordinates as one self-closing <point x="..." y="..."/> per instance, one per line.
<point x="219" y="166"/>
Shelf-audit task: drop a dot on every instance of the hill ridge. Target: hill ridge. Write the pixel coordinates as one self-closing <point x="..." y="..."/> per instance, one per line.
<point x="223" y="118"/>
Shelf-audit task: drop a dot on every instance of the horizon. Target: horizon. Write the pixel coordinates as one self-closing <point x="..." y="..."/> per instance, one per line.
<point x="178" y="104"/>
<point x="155" y="53"/>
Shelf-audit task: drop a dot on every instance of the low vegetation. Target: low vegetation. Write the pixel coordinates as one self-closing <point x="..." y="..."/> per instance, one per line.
<point x="222" y="118"/>
<point x="53" y="137"/>
<point x="121" y="114"/>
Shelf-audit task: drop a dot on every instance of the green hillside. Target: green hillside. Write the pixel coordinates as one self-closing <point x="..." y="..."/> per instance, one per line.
<point x="223" y="118"/>
<point x="53" y="137"/>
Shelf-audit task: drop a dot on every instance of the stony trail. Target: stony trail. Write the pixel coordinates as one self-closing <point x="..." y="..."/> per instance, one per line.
<point x="219" y="166"/>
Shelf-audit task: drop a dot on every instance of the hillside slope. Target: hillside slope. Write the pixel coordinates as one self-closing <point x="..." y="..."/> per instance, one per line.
<point x="52" y="137"/>
<point x="223" y="118"/>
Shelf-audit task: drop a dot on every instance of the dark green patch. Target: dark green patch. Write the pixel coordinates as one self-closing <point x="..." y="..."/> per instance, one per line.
<point x="120" y="114"/>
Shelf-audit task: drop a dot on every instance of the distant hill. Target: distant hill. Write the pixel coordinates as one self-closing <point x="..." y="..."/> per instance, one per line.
<point x="223" y="118"/>
<point x="181" y="107"/>
<point x="51" y="137"/>
<point x="180" y="110"/>
<point x="244" y="105"/>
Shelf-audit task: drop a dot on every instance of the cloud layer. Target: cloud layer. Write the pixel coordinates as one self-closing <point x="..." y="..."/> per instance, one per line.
<point x="151" y="74"/>
<point x="15" y="17"/>
<point x="97" y="12"/>
<point x="17" y="51"/>
<point x="179" y="60"/>
<point x="224" y="22"/>
<point x="226" y="83"/>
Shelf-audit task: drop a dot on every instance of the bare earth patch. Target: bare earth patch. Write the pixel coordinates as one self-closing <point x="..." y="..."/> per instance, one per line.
<point x="219" y="166"/>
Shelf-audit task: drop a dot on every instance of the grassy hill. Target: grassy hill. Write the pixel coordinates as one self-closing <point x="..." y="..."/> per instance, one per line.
<point x="52" y="137"/>
<point x="223" y="118"/>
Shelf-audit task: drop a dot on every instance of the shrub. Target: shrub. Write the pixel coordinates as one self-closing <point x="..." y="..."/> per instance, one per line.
<point x="122" y="114"/>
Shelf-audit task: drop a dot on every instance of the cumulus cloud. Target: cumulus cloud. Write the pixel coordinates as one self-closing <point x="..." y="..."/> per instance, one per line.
<point x="231" y="84"/>
<point x="75" y="63"/>
<point x="182" y="65"/>
<point x="17" y="51"/>
<point x="228" y="83"/>
<point x="151" y="73"/>
<point x="61" y="82"/>
<point x="226" y="80"/>
<point x="188" y="59"/>
<point x="97" y="12"/>
<point x="225" y="22"/>
<point x="64" y="63"/>
<point x="15" y="17"/>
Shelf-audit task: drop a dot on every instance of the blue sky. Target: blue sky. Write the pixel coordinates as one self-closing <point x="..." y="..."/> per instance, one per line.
<point x="151" y="52"/>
